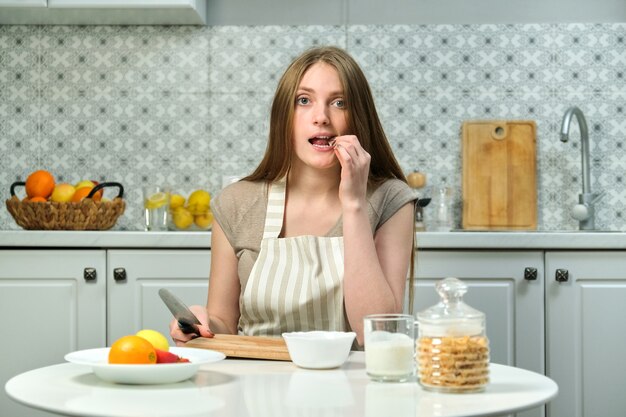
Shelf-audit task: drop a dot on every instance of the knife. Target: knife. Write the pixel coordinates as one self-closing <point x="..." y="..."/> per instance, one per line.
<point x="187" y="321"/>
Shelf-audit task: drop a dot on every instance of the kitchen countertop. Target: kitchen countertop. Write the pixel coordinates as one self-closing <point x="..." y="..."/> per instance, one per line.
<point x="425" y="240"/>
<point x="244" y="387"/>
<point x="104" y="239"/>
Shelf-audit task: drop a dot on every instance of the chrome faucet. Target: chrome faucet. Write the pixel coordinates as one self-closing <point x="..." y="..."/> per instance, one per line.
<point x="584" y="210"/>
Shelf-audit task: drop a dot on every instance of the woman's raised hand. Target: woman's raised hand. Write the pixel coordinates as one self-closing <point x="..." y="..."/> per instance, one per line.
<point x="181" y="338"/>
<point x="355" y="165"/>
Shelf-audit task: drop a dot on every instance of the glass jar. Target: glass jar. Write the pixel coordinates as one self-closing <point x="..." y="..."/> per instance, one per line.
<point x="452" y="349"/>
<point x="443" y="206"/>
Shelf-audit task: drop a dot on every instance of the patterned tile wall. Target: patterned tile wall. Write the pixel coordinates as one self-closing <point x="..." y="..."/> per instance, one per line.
<point x="188" y="105"/>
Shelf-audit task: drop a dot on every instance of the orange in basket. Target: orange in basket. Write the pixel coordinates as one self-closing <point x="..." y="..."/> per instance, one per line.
<point x="84" y="192"/>
<point x="39" y="184"/>
<point x="37" y="199"/>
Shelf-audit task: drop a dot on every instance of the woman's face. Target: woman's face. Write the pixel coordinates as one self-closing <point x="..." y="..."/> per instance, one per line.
<point x="320" y="115"/>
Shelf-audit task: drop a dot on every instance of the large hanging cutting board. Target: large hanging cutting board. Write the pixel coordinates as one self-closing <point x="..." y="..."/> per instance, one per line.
<point x="499" y="175"/>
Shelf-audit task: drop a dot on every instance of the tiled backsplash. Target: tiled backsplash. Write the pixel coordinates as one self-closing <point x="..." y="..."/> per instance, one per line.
<point x="188" y="105"/>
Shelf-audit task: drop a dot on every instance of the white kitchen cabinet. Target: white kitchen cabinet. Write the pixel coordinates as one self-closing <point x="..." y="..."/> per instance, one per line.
<point x="57" y="301"/>
<point x="134" y="278"/>
<point x="586" y="332"/>
<point x="50" y="306"/>
<point x="505" y="285"/>
<point x="583" y="320"/>
<point x="51" y="302"/>
<point x="103" y="12"/>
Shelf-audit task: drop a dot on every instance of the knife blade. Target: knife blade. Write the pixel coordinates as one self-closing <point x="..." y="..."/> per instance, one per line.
<point x="187" y="321"/>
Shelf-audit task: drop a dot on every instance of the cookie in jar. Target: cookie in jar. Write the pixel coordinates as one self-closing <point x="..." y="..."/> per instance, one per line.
<point x="452" y="349"/>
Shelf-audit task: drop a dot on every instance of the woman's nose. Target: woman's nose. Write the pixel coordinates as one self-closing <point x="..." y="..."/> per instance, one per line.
<point x="320" y="115"/>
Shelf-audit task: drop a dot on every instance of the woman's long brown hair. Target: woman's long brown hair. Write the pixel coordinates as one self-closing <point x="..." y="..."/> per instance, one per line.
<point x="363" y="122"/>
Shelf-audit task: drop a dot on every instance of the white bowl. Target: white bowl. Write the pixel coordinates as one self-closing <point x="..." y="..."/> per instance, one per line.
<point x="319" y="349"/>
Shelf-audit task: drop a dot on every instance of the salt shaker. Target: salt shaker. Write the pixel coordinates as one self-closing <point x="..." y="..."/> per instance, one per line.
<point x="452" y="349"/>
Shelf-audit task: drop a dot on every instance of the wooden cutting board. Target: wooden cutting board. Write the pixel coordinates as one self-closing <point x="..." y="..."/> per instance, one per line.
<point x="256" y="347"/>
<point x="499" y="175"/>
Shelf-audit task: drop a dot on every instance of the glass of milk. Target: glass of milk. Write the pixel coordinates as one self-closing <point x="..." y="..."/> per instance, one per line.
<point x="390" y="347"/>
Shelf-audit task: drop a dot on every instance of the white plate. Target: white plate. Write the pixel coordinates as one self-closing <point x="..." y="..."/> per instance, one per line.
<point x="165" y="373"/>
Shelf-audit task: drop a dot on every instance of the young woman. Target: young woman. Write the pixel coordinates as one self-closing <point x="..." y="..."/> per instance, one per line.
<point x="321" y="233"/>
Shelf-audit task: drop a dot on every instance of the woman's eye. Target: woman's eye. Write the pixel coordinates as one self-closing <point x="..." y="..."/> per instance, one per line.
<point x="339" y="103"/>
<point x="302" y="100"/>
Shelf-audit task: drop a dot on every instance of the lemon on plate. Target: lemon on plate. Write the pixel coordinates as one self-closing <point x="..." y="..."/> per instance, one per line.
<point x="156" y="338"/>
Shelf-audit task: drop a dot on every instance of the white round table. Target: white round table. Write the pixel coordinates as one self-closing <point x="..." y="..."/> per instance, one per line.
<point x="242" y="388"/>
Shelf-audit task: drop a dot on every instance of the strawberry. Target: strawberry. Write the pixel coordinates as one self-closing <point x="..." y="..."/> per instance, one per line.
<point x="168" y="357"/>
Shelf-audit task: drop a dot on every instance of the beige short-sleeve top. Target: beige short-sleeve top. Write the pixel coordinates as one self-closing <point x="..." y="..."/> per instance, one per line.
<point x="240" y="211"/>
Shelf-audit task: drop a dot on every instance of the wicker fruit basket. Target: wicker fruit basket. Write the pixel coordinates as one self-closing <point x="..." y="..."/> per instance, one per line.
<point x="87" y="214"/>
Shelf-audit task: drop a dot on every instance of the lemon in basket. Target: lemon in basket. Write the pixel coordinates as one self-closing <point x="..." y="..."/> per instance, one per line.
<point x="156" y="200"/>
<point x="204" y="221"/>
<point x="198" y="202"/>
<point x="182" y="218"/>
<point x="176" y="200"/>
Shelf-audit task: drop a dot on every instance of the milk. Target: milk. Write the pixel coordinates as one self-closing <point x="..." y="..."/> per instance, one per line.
<point x="389" y="355"/>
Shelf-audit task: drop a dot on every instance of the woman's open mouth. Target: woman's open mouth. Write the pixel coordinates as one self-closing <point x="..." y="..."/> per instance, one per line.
<point x="323" y="142"/>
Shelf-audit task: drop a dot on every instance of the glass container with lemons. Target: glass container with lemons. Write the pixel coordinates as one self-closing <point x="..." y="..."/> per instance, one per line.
<point x="155" y="204"/>
<point x="191" y="213"/>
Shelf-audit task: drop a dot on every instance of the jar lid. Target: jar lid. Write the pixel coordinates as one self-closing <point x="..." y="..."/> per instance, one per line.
<point x="451" y="316"/>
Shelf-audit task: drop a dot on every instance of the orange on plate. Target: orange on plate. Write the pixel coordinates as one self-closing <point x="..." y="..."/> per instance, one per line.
<point x="132" y="349"/>
<point x="39" y="184"/>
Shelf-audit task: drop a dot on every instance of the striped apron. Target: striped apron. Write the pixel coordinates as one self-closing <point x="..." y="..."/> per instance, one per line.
<point x="296" y="283"/>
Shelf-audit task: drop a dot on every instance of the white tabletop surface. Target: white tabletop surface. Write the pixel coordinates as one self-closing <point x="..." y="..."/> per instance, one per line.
<point x="240" y="387"/>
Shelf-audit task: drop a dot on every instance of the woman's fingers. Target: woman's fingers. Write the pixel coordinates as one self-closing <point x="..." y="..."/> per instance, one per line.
<point x="181" y="338"/>
<point x="355" y="163"/>
<point x="205" y="332"/>
<point x="201" y="314"/>
<point x="349" y="149"/>
<point x="177" y="335"/>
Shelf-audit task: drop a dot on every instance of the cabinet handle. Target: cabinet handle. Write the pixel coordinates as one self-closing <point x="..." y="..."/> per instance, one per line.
<point x="90" y="274"/>
<point x="119" y="274"/>
<point x="562" y="275"/>
<point x="530" y="274"/>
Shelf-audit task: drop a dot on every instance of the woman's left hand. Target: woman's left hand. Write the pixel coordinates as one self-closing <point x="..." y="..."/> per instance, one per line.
<point x="355" y="166"/>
